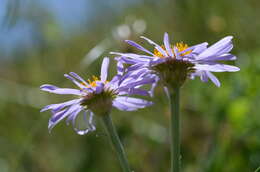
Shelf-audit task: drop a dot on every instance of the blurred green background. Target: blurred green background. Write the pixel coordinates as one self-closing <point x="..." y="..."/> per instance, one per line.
<point x="41" y="40"/>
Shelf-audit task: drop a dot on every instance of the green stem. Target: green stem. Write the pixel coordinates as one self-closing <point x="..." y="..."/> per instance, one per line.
<point x="175" y="129"/>
<point x="116" y="142"/>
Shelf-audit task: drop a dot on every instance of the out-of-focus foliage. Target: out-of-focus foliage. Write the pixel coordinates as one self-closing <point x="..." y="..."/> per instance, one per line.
<point x="220" y="126"/>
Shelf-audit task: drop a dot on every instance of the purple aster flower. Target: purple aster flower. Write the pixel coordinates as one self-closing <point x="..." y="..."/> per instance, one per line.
<point x="97" y="97"/>
<point x="174" y="63"/>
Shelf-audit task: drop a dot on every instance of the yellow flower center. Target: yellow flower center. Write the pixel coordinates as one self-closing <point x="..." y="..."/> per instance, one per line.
<point x="180" y="46"/>
<point x="93" y="82"/>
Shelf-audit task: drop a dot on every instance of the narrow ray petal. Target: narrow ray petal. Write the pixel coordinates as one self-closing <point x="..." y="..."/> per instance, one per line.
<point x="56" y="90"/>
<point x="167" y="44"/>
<point x="213" y="78"/>
<point x="158" y="47"/>
<point x="104" y="69"/>
<point x="217" y="68"/>
<point x="138" y="46"/>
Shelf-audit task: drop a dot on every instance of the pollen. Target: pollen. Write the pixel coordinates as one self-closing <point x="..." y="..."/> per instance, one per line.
<point x="158" y="53"/>
<point x="92" y="82"/>
<point x="180" y="46"/>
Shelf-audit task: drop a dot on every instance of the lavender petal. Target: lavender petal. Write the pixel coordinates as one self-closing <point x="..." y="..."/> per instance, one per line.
<point x="88" y="119"/>
<point x="74" y="81"/>
<point x="138" y="83"/>
<point x="221" y="47"/>
<point x="104" y="69"/>
<point x="197" y="49"/>
<point x="99" y="88"/>
<point x="59" y="106"/>
<point x="132" y="61"/>
<point x="159" y="48"/>
<point x="56" y="90"/>
<point x="133" y="102"/>
<point x="138" y="46"/>
<point x="56" y="118"/>
<point x="122" y="107"/>
<point x="221" y="57"/>
<point x="217" y="68"/>
<point x="213" y="78"/>
<point x="167" y="44"/>
<point x="120" y="68"/>
<point x="137" y="91"/>
<point x="132" y="55"/>
<point x="203" y="76"/>
<point x="78" y="77"/>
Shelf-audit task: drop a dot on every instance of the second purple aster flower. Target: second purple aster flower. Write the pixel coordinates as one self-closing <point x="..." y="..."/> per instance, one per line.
<point x="97" y="97"/>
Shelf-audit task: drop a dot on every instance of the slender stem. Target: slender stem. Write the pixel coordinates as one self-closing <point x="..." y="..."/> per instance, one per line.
<point x="116" y="142"/>
<point x="175" y="129"/>
<point x="258" y="169"/>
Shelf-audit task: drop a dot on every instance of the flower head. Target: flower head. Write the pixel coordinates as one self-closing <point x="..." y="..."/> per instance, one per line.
<point x="97" y="97"/>
<point x="174" y="63"/>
